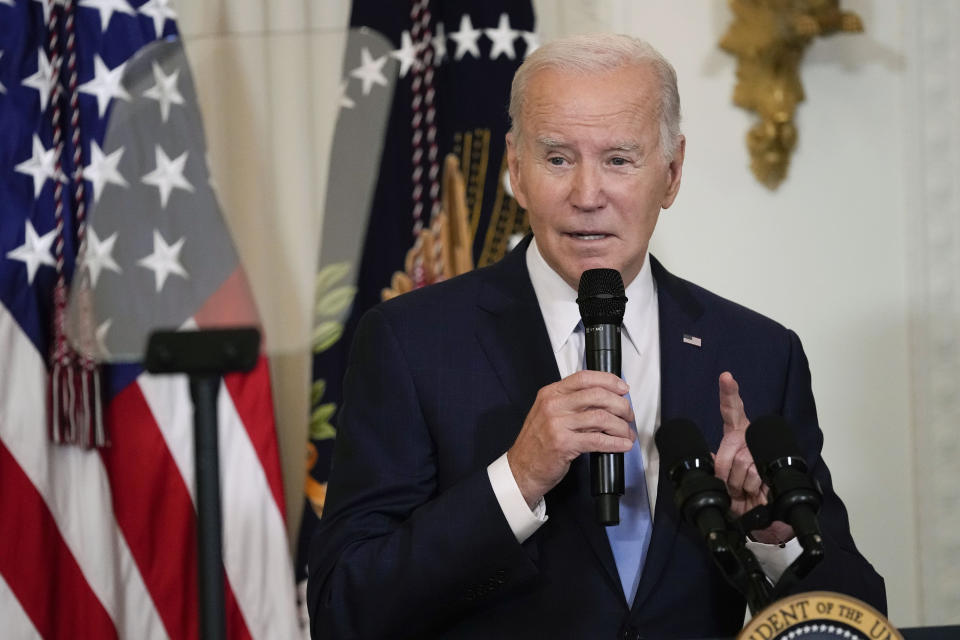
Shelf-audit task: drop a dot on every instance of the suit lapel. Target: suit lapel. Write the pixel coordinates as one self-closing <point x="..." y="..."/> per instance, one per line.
<point x="513" y="335"/>
<point x="686" y="386"/>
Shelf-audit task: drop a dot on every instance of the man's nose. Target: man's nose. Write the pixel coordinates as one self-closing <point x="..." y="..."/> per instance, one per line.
<point x="586" y="191"/>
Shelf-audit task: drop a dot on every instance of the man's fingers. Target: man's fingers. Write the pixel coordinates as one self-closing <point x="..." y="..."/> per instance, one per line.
<point x="597" y="398"/>
<point x="739" y="479"/>
<point x="733" y="463"/>
<point x="752" y="484"/>
<point x="728" y="385"/>
<point x="723" y="462"/>
<point x="731" y="405"/>
<point x="600" y="421"/>
<point x="603" y="443"/>
<point x="552" y="401"/>
<point x="585" y="379"/>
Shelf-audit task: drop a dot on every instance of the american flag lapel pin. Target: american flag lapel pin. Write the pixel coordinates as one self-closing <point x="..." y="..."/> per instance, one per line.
<point x="694" y="340"/>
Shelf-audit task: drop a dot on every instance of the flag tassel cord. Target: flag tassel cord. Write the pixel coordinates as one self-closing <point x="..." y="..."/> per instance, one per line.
<point x="76" y="414"/>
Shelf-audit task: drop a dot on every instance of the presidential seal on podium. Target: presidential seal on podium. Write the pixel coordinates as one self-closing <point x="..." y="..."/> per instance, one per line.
<point x="819" y="615"/>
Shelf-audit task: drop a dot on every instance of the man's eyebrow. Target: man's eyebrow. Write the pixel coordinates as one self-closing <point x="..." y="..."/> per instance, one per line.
<point x="556" y="143"/>
<point x="547" y="141"/>
<point x="626" y="146"/>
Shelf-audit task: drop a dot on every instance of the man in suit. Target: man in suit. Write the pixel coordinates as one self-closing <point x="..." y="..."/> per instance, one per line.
<point x="459" y="503"/>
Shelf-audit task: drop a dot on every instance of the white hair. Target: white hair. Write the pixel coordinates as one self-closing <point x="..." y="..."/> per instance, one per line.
<point x="597" y="53"/>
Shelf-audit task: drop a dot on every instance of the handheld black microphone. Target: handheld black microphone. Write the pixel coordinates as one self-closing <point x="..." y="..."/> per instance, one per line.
<point x="793" y="497"/>
<point x="700" y="496"/>
<point x="602" y="303"/>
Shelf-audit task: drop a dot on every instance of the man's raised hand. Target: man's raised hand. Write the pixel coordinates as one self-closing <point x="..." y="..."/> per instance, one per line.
<point x="734" y="464"/>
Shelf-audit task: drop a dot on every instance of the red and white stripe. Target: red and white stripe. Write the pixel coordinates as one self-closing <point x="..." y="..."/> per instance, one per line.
<point x="102" y="543"/>
<point x="15" y="620"/>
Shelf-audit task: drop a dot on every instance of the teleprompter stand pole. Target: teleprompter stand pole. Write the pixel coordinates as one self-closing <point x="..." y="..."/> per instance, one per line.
<point x="205" y="356"/>
<point x="203" y="392"/>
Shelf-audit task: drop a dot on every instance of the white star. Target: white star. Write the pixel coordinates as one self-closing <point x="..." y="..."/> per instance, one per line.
<point x="159" y="10"/>
<point x="406" y="54"/>
<point x="106" y="84"/>
<point x="466" y="39"/>
<point x="532" y="40"/>
<point x="41" y="165"/>
<point x="101" y="338"/>
<point x="3" y="89"/>
<point x="168" y="175"/>
<point x="34" y="251"/>
<point x="370" y="71"/>
<point x="43" y="80"/>
<point x="343" y="100"/>
<point x="47" y="7"/>
<point x="164" y="91"/>
<point x="99" y="256"/>
<point x="102" y="169"/>
<point x="502" y="38"/>
<point x="164" y="260"/>
<point x="439" y="42"/>
<point x="106" y="9"/>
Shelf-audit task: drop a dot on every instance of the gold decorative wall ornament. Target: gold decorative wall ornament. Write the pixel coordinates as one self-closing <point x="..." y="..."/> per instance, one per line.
<point x="443" y="249"/>
<point x="769" y="38"/>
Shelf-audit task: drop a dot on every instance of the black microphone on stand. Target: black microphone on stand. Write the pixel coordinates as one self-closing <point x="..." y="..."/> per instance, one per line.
<point x="700" y="496"/>
<point x="793" y="497"/>
<point x="703" y="501"/>
<point x="602" y="303"/>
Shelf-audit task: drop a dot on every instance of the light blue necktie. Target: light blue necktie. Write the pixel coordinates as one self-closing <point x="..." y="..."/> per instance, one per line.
<point x="629" y="540"/>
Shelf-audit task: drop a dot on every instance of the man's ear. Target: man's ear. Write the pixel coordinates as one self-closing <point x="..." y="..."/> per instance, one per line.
<point x="513" y="167"/>
<point x="674" y="172"/>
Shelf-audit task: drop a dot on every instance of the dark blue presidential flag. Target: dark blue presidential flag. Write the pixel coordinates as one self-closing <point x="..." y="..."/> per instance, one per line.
<point x="417" y="189"/>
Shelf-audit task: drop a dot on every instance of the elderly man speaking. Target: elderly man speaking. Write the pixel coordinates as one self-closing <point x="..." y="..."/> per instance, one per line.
<point x="459" y="499"/>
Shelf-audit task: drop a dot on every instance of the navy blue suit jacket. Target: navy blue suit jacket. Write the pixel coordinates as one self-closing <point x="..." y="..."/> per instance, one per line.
<point x="412" y="542"/>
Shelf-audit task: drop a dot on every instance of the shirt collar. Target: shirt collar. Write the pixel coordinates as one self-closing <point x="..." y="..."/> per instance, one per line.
<point x="558" y="301"/>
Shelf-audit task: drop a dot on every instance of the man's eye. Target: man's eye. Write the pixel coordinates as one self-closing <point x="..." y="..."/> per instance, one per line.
<point x="556" y="161"/>
<point x="618" y="161"/>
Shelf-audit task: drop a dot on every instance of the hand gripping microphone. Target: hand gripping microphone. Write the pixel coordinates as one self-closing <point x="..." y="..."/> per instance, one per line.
<point x="793" y="497"/>
<point x="700" y="496"/>
<point x="602" y="303"/>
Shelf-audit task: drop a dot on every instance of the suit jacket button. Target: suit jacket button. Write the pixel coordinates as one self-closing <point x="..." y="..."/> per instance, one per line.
<point x="630" y="633"/>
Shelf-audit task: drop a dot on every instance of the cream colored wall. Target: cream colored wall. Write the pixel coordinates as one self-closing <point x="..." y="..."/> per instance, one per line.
<point x="828" y="254"/>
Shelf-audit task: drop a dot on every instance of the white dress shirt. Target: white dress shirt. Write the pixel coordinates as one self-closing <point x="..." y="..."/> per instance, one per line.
<point x="640" y="348"/>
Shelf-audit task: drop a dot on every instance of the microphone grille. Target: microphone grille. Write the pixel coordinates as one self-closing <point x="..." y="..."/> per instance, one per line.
<point x="680" y="439"/>
<point x="600" y="297"/>
<point x="770" y="438"/>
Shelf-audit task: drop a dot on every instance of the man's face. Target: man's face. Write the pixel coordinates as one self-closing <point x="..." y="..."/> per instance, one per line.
<point x="589" y="168"/>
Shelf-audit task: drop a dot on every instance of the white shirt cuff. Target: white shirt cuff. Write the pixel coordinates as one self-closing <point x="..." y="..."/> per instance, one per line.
<point x="523" y="522"/>
<point x="773" y="558"/>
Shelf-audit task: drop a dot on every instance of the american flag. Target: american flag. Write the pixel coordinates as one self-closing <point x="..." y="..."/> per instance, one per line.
<point x="98" y="113"/>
